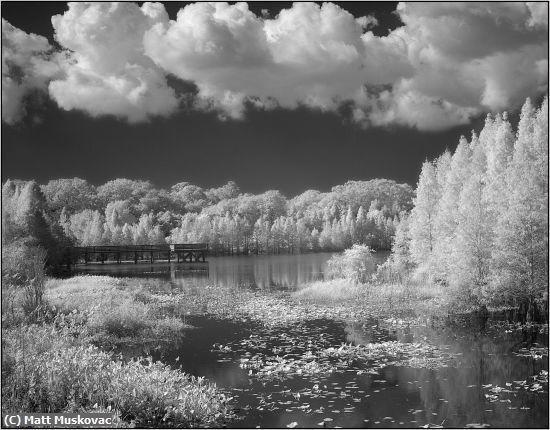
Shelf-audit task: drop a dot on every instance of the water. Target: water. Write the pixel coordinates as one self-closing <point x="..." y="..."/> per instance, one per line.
<point x="256" y="272"/>
<point x="395" y="397"/>
<point x="484" y="386"/>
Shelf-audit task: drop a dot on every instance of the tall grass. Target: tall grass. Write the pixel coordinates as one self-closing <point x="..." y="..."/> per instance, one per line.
<point x="46" y="368"/>
<point x="55" y="364"/>
<point x="379" y="299"/>
<point x="116" y="310"/>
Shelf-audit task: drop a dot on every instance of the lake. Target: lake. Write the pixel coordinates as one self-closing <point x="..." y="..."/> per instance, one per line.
<point x="255" y="271"/>
<point x="496" y="377"/>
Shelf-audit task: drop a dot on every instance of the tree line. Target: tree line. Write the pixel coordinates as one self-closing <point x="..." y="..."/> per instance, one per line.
<point x="479" y="225"/>
<point x="124" y="211"/>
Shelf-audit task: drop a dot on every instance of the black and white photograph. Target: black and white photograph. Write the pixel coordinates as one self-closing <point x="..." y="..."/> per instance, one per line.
<point x="279" y="215"/>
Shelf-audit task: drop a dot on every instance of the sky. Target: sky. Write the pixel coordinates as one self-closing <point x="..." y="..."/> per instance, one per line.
<point x="270" y="95"/>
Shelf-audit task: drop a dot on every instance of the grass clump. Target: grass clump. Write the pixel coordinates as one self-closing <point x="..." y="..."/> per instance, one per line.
<point x="116" y="310"/>
<point x="330" y="291"/>
<point x="378" y="300"/>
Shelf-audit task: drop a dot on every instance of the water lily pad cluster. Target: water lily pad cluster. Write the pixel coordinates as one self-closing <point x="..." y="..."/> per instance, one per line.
<point x="295" y="355"/>
<point x="534" y="352"/>
<point x="282" y="310"/>
<point x="537" y="384"/>
<point x="418" y="355"/>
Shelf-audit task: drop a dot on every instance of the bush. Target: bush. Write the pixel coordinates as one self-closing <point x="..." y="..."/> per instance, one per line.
<point x="23" y="279"/>
<point x="355" y="264"/>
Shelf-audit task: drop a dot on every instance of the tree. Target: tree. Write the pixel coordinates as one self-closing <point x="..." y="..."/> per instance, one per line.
<point x="118" y="213"/>
<point x="72" y="194"/>
<point x="123" y="189"/>
<point x="188" y="197"/>
<point x="472" y="250"/>
<point x="521" y="244"/>
<point x="422" y="218"/>
<point x="272" y="205"/>
<point x="225" y="192"/>
<point x="446" y="220"/>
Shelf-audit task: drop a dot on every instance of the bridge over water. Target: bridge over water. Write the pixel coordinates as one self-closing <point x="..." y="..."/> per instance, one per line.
<point x="179" y="252"/>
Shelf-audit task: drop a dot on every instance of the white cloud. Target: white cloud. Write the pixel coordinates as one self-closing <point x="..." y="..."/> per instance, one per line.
<point x="26" y="66"/>
<point x="468" y="58"/>
<point x="449" y="62"/>
<point x="309" y="54"/>
<point x="106" y="71"/>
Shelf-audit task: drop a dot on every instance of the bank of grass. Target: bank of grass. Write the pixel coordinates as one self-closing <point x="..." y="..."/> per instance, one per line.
<point x="52" y="368"/>
<point x="379" y="299"/>
<point x="115" y="310"/>
<point x="56" y="358"/>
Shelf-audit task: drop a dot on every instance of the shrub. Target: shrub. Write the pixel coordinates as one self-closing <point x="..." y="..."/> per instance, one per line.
<point x="23" y="279"/>
<point x="355" y="264"/>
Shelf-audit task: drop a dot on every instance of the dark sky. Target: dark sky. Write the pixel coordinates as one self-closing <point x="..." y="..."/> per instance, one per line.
<point x="290" y="150"/>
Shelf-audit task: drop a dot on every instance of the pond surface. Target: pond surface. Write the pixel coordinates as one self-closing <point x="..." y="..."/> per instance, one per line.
<point x="256" y="272"/>
<point x="496" y="377"/>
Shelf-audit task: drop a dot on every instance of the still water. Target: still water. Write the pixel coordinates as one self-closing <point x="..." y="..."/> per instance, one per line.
<point x="498" y="379"/>
<point x="257" y="272"/>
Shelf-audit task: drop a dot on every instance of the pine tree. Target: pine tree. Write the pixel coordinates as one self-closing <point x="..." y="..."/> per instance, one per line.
<point x="446" y="220"/>
<point x="472" y="250"/>
<point x="521" y="250"/>
<point x="422" y="218"/>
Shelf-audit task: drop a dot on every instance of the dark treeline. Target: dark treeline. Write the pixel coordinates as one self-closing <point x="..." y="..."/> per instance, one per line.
<point x="124" y="211"/>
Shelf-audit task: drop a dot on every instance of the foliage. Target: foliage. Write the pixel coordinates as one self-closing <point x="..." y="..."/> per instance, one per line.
<point x="355" y="264"/>
<point x="480" y="221"/>
<point x="23" y="280"/>
<point x="25" y="216"/>
<point x="125" y="211"/>
<point x="46" y="370"/>
<point x="72" y="194"/>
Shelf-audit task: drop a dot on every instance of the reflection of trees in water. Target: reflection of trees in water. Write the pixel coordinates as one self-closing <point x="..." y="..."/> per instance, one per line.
<point x="264" y="272"/>
<point x="267" y="272"/>
<point x="486" y="359"/>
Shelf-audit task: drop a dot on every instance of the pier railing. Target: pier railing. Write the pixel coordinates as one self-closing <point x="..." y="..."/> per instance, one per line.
<point x="179" y="252"/>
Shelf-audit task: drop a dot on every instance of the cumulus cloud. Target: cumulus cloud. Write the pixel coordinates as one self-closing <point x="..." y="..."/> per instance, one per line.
<point x="106" y="71"/>
<point x="446" y="64"/>
<point x="26" y="66"/>
<point x="307" y="55"/>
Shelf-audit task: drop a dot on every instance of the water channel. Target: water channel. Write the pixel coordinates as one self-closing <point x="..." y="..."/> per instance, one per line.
<point x="498" y="377"/>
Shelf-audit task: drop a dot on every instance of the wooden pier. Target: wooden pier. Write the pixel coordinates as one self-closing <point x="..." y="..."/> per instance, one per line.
<point x="180" y="252"/>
